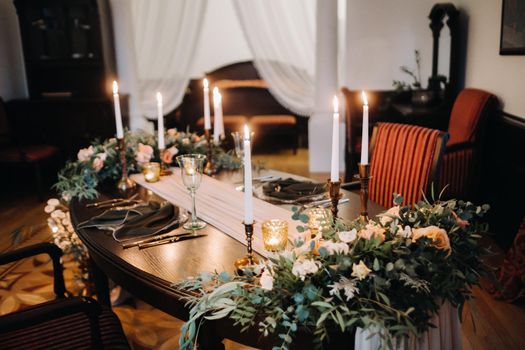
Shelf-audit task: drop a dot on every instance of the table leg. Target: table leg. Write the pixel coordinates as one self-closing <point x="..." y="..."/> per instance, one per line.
<point x="101" y="283"/>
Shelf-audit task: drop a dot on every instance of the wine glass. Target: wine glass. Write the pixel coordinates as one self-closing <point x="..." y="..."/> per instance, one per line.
<point x="191" y="166"/>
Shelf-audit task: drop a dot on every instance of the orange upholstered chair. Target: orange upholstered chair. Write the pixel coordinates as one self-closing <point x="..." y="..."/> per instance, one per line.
<point x="405" y="160"/>
<point x="462" y="159"/>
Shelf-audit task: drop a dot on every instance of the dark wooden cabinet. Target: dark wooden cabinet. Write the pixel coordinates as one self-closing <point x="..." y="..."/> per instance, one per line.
<point x="68" y="49"/>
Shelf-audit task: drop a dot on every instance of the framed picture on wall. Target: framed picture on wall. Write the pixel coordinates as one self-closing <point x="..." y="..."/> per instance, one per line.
<point x="512" y="41"/>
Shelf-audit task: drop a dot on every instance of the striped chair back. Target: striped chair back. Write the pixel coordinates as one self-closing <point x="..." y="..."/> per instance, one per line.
<point x="405" y="160"/>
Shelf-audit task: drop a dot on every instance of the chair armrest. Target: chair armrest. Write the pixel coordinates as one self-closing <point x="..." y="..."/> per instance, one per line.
<point x="459" y="147"/>
<point x="41" y="248"/>
<point x="54" y="310"/>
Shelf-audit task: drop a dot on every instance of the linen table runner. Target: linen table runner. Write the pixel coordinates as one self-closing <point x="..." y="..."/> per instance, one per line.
<point x="221" y="206"/>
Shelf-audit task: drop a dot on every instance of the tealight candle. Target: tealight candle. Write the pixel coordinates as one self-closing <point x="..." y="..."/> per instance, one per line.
<point x="275" y="235"/>
<point x="151" y="172"/>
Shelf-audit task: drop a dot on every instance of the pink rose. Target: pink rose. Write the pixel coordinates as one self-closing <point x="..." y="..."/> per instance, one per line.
<point x="195" y="138"/>
<point x="167" y="155"/>
<point x="85" y="154"/>
<point x="98" y="164"/>
<point x="144" y="153"/>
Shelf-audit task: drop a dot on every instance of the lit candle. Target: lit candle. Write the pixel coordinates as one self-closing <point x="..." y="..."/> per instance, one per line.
<point x="364" y="137"/>
<point x="248" y="190"/>
<point x="160" y="119"/>
<point x="207" y="122"/>
<point x="218" y="123"/>
<point x="334" y="174"/>
<point x="118" y="115"/>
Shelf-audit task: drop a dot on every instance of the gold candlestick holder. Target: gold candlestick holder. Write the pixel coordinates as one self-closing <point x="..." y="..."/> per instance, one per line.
<point x="334" y="189"/>
<point x="209" y="168"/>
<point x="249" y="259"/>
<point x="364" y="178"/>
<point x="125" y="184"/>
<point x="164" y="167"/>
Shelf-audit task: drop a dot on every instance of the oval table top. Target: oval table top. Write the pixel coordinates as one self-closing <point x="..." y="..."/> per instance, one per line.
<point x="149" y="273"/>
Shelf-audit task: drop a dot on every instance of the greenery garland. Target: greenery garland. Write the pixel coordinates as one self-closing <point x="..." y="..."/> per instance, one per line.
<point x="100" y="162"/>
<point x="388" y="275"/>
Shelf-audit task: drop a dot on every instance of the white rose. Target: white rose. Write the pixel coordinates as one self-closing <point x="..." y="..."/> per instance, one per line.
<point x="102" y="156"/>
<point x="404" y="232"/>
<point x="360" y="271"/>
<point x="53" y="201"/>
<point x="347" y="236"/>
<point x="185" y="141"/>
<point x="58" y="214"/>
<point x="335" y="248"/>
<point x="301" y="268"/>
<point x="85" y="154"/>
<point x="389" y="215"/>
<point x="266" y="280"/>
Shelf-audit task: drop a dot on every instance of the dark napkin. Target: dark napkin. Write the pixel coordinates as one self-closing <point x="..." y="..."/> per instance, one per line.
<point x="136" y="222"/>
<point x="291" y="189"/>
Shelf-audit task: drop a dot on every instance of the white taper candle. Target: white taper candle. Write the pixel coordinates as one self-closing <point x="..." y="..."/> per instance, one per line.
<point x="207" y="120"/>
<point x="334" y="173"/>
<point x="160" y="120"/>
<point x="248" y="188"/>
<point x="118" y="115"/>
<point x="364" y="136"/>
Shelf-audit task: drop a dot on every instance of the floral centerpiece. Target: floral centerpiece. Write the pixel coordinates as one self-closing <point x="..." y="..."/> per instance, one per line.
<point x="388" y="276"/>
<point x="100" y="162"/>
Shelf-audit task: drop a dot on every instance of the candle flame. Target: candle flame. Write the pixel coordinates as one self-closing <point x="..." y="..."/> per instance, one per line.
<point x="205" y="83"/>
<point x="246" y="132"/>
<point x="336" y="104"/>
<point x="365" y="100"/>
<point x="159" y="98"/>
<point x="115" y="87"/>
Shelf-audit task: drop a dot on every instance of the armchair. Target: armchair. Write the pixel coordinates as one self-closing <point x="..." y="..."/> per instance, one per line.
<point x="462" y="159"/>
<point x="63" y="323"/>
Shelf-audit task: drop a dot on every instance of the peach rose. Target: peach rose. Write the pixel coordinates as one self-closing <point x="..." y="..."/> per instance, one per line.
<point x="172" y="132"/>
<point x="438" y="236"/>
<point x="85" y="154"/>
<point x="167" y="156"/>
<point x="386" y="217"/>
<point x="370" y="230"/>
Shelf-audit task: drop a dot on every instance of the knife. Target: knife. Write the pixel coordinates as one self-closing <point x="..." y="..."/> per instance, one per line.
<point x="178" y="238"/>
<point x="169" y="234"/>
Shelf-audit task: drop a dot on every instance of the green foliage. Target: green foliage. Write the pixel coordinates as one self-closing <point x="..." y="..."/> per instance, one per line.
<point x="80" y="178"/>
<point x="414" y="75"/>
<point x="383" y="275"/>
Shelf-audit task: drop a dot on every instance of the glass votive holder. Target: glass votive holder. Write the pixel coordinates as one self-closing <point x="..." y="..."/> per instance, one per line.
<point x="275" y="235"/>
<point x="151" y="171"/>
<point x="318" y="220"/>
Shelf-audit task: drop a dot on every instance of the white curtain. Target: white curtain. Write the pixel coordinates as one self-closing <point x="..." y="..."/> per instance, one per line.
<point x="281" y="36"/>
<point x="163" y="35"/>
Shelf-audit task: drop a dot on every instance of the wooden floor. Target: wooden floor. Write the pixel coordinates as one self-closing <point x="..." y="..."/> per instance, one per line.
<point x="487" y="323"/>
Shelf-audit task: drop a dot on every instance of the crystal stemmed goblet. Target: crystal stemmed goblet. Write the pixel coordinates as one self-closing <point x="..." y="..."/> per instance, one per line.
<point x="191" y="166"/>
<point x="239" y="152"/>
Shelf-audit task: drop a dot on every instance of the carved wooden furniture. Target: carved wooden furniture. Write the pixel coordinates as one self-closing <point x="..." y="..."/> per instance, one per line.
<point x="68" y="48"/>
<point x="63" y="323"/>
<point x="245" y="99"/>
<point x="32" y="155"/>
<point x="406" y="160"/>
<point x="148" y="273"/>
<point x="463" y="155"/>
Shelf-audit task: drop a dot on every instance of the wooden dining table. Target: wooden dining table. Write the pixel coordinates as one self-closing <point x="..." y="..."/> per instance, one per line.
<point x="148" y="274"/>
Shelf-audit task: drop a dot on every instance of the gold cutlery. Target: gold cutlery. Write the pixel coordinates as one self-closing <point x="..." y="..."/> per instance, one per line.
<point x="113" y="201"/>
<point x="169" y="234"/>
<point x="178" y="238"/>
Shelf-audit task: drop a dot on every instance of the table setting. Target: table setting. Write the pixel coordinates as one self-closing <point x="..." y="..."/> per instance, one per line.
<point x="275" y="253"/>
